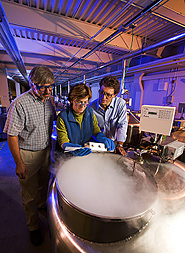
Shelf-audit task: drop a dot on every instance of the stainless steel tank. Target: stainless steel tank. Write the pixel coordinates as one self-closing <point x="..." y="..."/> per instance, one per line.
<point x="75" y="229"/>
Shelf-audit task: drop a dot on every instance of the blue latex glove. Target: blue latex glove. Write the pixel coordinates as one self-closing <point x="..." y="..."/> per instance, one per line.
<point x="77" y="152"/>
<point x="108" y="142"/>
<point x="68" y="144"/>
<point x="81" y="152"/>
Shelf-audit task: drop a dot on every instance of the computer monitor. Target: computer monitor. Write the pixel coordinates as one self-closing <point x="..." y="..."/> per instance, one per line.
<point x="181" y="109"/>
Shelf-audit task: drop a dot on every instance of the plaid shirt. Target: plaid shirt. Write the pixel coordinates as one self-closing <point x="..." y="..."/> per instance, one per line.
<point x="32" y="120"/>
<point x="113" y="122"/>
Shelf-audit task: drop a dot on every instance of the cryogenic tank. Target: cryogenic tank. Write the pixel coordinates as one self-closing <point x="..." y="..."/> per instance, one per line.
<point x="101" y="198"/>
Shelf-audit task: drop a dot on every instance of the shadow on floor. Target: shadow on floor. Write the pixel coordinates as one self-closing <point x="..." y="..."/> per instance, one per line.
<point x="14" y="235"/>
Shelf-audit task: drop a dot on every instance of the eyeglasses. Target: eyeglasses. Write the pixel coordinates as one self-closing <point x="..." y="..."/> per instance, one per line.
<point x="103" y="93"/>
<point x="84" y="103"/>
<point x="43" y="88"/>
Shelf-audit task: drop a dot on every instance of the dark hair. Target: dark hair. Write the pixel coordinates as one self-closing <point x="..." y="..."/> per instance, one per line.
<point x="111" y="82"/>
<point x="41" y="75"/>
<point x="79" y="91"/>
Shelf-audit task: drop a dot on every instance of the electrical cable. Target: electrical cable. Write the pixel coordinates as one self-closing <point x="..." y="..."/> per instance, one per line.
<point x="124" y="72"/>
<point x="173" y="89"/>
<point x="130" y="49"/>
<point x="79" y="71"/>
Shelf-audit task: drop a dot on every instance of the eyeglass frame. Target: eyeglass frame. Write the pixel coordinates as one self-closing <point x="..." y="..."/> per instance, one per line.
<point x="103" y="93"/>
<point x="81" y="103"/>
<point x="45" y="87"/>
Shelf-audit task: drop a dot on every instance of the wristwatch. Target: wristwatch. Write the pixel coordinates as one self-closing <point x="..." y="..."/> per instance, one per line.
<point x="119" y="145"/>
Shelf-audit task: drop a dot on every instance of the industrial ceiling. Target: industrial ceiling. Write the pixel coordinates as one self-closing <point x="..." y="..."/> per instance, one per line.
<point x="85" y="39"/>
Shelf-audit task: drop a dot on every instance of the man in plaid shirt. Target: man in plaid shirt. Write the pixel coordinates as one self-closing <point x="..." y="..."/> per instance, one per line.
<point x="29" y="126"/>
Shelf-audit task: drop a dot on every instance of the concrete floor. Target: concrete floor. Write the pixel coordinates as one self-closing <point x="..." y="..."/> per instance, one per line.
<point x="14" y="235"/>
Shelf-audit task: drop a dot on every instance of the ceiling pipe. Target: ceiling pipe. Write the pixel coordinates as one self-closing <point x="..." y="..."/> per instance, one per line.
<point x="103" y="28"/>
<point x="159" y="15"/>
<point x="140" y="68"/>
<point x="116" y="33"/>
<point x="9" y="43"/>
<point x="146" y="49"/>
<point x="139" y="52"/>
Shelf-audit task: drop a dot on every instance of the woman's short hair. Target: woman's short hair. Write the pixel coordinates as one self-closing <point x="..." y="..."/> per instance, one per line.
<point x="79" y="91"/>
<point x="41" y="75"/>
<point x="111" y="82"/>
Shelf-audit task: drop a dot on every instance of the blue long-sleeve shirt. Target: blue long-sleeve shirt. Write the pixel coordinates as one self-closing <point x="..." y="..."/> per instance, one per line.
<point x="113" y="122"/>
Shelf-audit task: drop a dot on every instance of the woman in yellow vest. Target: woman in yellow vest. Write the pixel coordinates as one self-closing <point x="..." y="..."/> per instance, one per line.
<point x="77" y="123"/>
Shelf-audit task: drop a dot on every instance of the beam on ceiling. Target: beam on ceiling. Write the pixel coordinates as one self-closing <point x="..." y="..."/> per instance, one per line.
<point x="166" y="42"/>
<point x="117" y="33"/>
<point x="172" y="11"/>
<point x="62" y="27"/>
<point x="9" y="43"/>
<point x="56" y="53"/>
<point x="171" y="16"/>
